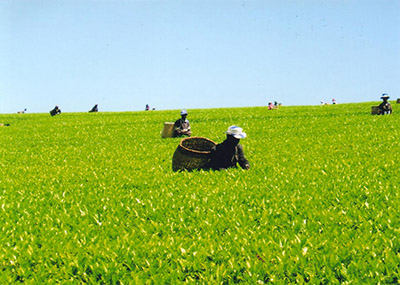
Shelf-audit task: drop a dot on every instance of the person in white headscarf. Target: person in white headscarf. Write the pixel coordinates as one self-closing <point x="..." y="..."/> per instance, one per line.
<point x="229" y="153"/>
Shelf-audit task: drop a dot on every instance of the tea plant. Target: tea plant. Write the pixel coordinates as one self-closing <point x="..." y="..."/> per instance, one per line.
<point x="93" y="198"/>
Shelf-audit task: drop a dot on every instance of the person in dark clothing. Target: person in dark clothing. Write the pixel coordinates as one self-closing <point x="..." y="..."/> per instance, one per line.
<point x="228" y="153"/>
<point x="94" y="109"/>
<point x="182" y="126"/>
<point x="385" y="108"/>
<point x="55" y="111"/>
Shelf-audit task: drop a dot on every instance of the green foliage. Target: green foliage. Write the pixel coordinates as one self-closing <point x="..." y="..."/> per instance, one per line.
<point x="93" y="198"/>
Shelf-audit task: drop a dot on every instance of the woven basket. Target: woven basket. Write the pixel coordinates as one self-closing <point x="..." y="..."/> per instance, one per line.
<point x="168" y="130"/>
<point x="374" y="110"/>
<point x="192" y="153"/>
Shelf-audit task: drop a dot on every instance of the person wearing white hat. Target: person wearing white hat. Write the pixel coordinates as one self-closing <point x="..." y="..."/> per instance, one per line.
<point x="55" y="111"/>
<point x="182" y="126"/>
<point x="385" y="107"/>
<point x="229" y="153"/>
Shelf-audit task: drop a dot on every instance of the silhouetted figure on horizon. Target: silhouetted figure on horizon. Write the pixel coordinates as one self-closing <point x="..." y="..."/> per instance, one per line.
<point x="55" y="111"/>
<point x="94" y="109"/>
<point x="271" y="106"/>
<point x="385" y="108"/>
<point x="22" y="112"/>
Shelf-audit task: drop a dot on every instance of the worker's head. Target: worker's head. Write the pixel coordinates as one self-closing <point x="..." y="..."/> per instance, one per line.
<point x="184" y="114"/>
<point x="235" y="133"/>
<point x="385" y="97"/>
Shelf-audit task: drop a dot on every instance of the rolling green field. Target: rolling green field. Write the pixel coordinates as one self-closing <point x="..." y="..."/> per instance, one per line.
<point x="93" y="198"/>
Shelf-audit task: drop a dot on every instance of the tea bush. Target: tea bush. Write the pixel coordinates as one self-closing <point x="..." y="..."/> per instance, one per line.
<point x="93" y="198"/>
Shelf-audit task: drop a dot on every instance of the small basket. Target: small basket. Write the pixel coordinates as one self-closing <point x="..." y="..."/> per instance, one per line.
<point x="192" y="153"/>
<point x="374" y="110"/>
<point x="168" y="130"/>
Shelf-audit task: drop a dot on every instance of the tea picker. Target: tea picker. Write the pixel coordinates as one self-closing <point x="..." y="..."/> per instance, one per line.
<point x="229" y="153"/>
<point x="95" y="109"/>
<point x="182" y="126"/>
<point x="55" y="111"/>
<point x="385" y="107"/>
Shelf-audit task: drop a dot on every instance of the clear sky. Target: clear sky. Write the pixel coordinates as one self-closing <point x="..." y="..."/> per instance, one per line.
<point x="195" y="54"/>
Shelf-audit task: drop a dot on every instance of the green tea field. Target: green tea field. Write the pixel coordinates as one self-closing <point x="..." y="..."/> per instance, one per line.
<point x="91" y="197"/>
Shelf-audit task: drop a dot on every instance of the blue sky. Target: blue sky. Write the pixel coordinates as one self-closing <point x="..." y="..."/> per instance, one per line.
<point x="195" y="54"/>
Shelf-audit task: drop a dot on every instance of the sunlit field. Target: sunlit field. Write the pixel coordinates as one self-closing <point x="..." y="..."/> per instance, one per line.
<point x="93" y="198"/>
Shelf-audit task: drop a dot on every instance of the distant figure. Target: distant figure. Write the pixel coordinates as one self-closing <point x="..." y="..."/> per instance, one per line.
<point x="276" y="104"/>
<point x="228" y="153"/>
<point x="385" y="108"/>
<point x="55" y="111"/>
<point x="271" y="106"/>
<point x="95" y="109"/>
<point x="182" y="126"/>
<point x="22" y="112"/>
<point x="147" y="107"/>
<point x="4" y="125"/>
<point x="333" y="101"/>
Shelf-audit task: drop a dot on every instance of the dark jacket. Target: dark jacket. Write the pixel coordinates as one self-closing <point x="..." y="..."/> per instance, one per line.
<point x="55" y="111"/>
<point x="94" y="109"/>
<point x="226" y="155"/>
<point x="385" y="108"/>
<point x="182" y="128"/>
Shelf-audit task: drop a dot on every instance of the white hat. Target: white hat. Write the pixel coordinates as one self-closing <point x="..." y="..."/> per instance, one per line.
<point x="184" y="112"/>
<point x="384" y="95"/>
<point x="236" y="132"/>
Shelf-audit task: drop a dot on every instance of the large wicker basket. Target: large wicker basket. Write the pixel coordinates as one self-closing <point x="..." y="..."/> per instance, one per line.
<point x="192" y="153"/>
